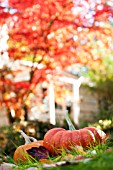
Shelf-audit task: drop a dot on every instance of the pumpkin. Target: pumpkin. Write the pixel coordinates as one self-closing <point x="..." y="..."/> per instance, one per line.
<point x="57" y="139"/>
<point x="21" y="154"/>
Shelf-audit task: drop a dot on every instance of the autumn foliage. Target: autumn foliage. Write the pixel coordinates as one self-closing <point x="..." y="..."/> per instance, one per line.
<point x="53" y="31"/>
<point x="56" y="34"/>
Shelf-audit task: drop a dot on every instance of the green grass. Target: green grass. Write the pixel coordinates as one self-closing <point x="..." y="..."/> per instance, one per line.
<point x="102" y="160"/>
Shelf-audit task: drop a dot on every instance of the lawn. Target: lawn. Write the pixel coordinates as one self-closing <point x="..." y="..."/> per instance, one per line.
<point x="100" y="162"/>
<point x="95" y="158"/>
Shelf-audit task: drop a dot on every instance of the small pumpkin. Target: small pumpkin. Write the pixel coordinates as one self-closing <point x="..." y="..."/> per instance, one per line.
<point x="57" y="139"/>
<point x="21" y="153"/>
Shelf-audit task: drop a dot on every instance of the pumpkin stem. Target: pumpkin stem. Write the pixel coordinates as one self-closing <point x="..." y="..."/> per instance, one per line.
<point x="28" y="139"/>
<point x="71" y="126"/>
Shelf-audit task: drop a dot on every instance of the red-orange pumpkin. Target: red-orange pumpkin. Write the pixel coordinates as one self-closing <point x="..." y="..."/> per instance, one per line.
<point x="57" y="139"/>
<point x="20" y="153"/>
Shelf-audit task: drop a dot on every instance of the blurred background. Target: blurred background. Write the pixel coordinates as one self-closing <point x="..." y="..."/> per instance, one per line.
<point x="54" y="56"/>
